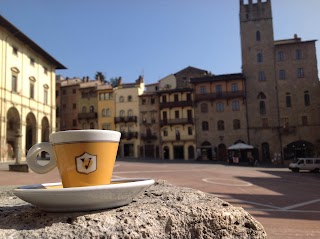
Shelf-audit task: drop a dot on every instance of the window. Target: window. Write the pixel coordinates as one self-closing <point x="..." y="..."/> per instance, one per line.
<point x="288" y="100"/>
<point x="262" y="107"/>
<point x="31" y="89"/>
<point x="84" y="109"/>
<point x="14" y="83"/>
<point x="121" y="99"/>
<point x="203" y="89"/>
<point x="108" y="114"/>
<point x="234" y="87"/>
<point x="91" y="109"/>
<point x="45" y="96"/>
<point x="121" y="113"/>
<point x="176" y="114"/>
<point x="74" y="106"/>
<point x="176" y="98"/>
<point x="64" y="106"/>
<point x="129" y="98"/>
<point x="189" y="97"/>
<point x="265" y="122"/>
<point x="91" y="125"/>
<point x="189" y="130"/>
<point x="205" y="126"/>
<point x="219" y="89"/>
<point x="74" y="91"/>
<point x="298" y="54"/>
<point x="259" y="57"/>
<point x="204" y="108"/>
<point x="261" y="76"/>
<point x="165" y="132"/>
<point x="282" y="74"/>
<point x="101" y="96"/>
<point x="300" y="73"/>
<point x="45" y="70"/>
<point x="164" y="99"/>
<point x="235" y="105"/>
<point x="280" y="56"/>
<point x="219" y="107"/>
<point x="152" y="101"/>
<point x="236" y="124"/>
<point x="304" y="120"/>
<point x="130" y="113"/>
<point x="14" y="50"/>
<point x="306" y="98"/>
<point x="64" y="92"/>
<point x="258" y="36"/>
<point x="32" y="61"/>
<point x="104" y="112"/>
<point x="220" y="125"/>
<point x="74" y="122"/>
<point x="143" y="101"/>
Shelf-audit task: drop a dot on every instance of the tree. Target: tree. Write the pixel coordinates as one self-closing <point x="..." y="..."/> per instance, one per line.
<point x="114" y="81"/>
<point x="100" y="76"/>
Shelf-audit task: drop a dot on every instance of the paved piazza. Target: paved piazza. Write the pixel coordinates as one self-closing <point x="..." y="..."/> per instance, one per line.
<point x="287" y="204"/>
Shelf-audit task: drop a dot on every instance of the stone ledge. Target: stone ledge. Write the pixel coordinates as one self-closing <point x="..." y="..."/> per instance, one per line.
<point x="163" y="211"/>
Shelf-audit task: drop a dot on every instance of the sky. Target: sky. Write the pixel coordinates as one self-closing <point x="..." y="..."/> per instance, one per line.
<point x="153" y="38"/>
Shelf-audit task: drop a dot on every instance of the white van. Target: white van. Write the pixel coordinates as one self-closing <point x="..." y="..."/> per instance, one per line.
<point x="310" y="164"/>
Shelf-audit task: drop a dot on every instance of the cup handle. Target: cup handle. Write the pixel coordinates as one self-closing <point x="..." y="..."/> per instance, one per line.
<point x="32" y="158"/>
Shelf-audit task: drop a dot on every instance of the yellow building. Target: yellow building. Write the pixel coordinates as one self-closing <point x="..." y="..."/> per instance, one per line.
<point x="106" y="107"/>
<point x="27" y="92"/>
<point x="176" y="106"/>
<point x="126" y="97"/>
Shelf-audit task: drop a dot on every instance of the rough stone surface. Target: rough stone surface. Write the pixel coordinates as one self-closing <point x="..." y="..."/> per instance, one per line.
<point x="163" y="211"/>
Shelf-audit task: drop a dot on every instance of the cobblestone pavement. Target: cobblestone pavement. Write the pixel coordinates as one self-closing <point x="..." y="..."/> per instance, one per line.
<point x="287" y="204"/>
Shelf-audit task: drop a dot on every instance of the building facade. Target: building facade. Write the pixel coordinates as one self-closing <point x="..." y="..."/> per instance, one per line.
<point x="106" y="107"/>
<point x="220" y="107"/>
<point x="27" y="93"/>
<point x="126" y="117"/>
<point x="149" y="122"/>
<point x="177" y="117"/>
<point x="282" y="87"/>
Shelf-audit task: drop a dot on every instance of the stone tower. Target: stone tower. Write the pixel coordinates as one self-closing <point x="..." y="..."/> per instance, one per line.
<point x="258" y="67"/>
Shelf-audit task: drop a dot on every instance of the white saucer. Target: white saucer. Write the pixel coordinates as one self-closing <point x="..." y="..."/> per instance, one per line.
<point x="52" y="197"/>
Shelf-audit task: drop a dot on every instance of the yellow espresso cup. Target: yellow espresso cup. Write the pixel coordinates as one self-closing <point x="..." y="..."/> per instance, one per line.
<point x="83" y="157"/>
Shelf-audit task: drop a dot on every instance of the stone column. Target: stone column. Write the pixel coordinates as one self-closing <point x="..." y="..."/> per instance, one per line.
<point x="17" y="149"/>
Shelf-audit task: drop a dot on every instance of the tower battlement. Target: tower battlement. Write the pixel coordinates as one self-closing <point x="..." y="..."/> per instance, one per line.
<point x="252" y="10"/>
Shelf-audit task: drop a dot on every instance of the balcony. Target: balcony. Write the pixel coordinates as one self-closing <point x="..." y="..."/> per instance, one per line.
<point x="87" y="116"/>
<point x="176" y="121"/>
<point x="125" y="119"/>
<point x="221" y="95"/>
<point x="129" y="135"/>
<point x="163" y="105"/>
<point x="148" y="136"/>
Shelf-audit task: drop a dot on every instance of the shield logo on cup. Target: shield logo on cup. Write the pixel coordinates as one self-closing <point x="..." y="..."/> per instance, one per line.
<point x="86" y="163"/>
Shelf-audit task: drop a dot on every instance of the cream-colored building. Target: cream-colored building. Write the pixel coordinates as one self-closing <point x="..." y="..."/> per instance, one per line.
<point x="27" y="92"/>
<point x="126" y="97"/>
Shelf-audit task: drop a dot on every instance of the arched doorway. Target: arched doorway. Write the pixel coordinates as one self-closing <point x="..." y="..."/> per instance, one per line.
<point x="166" y="153"/>
<point x="298" y="149"/>
<point x="13" y="127"/>
<point x="31" y="131"/>
<point x="191" y="152"/>
<point x="45" y="129"/>
<point x="222" y="152"/>
<point x="206" y="150"/>
<point x="265" y="152"/>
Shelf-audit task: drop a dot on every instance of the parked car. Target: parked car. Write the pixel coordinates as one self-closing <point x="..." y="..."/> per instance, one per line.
<point x="310" y="164"/>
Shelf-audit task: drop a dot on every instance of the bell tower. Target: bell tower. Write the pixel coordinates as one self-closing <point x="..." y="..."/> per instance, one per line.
<point x="258" y="67"/>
